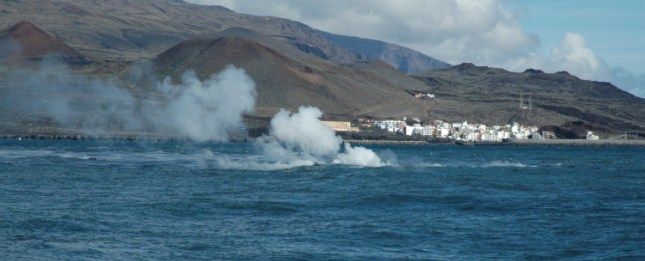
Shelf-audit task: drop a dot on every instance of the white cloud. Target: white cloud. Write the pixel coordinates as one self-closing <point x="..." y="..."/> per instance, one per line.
<point x="451" y="30"/>
<point x="573" y="55"/>
<point x="483" y="32"/>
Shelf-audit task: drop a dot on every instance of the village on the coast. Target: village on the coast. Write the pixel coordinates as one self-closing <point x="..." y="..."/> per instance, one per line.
<point x="457" y="131"/>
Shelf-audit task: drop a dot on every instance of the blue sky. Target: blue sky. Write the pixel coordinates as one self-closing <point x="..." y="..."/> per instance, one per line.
<point x="614" y="29"/>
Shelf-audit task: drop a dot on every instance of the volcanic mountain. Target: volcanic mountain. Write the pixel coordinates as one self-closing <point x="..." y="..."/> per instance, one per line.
<point x="26" y="42"/>
<point x="295" y="65"/>
<point x="127" y="30"/>
<point x="283" y="82"/>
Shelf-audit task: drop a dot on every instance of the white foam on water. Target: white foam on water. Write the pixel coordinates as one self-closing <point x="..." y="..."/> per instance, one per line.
<point x="243" y="164"/>
<point x="359" y="156"/>
<point x="504" y="163"/>
<point x="429" y="165"/>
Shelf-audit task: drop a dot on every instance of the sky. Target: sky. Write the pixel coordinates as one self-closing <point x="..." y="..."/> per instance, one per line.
<point x="614" y="29"/>
<point x="592" y="39"/>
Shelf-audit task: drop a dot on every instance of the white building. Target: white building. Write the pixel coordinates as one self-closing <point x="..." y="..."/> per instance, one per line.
<point x="443" y="132"/>
<point x="591" y="136"/>
<point x="428" y="131"/>
<point x="390" y="125"/>
<point x="415" y="129"/>
<point x="491" y="135"/>
<point x="462" y="130"/>
<point x="470" y="136"/>
<point x="502" y="135"/>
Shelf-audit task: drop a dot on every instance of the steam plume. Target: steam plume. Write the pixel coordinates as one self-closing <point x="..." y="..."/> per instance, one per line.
<point x="201" y="110"/>
<point x="302" y="137"/>
<point x="211" y="109"/>
<point x="208" y="110"/>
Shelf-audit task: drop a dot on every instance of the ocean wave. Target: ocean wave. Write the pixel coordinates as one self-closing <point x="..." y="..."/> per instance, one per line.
<point x="427" y="165"/>
<point x="491" y="164"/>
<point x="153" y="156"/>
<point x="14" y="153"/>
<point x="202" y="158"/>
<point x="504" y="163"/>
<point x="245" y="164"/>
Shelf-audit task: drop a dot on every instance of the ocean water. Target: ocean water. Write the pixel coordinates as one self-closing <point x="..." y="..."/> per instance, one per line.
<point x="175" y="200"/>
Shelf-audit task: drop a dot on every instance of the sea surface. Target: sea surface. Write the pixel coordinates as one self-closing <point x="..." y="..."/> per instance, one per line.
<point x="176" y="200"/>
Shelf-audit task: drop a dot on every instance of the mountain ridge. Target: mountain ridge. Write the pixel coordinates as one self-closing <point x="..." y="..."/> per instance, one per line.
<point x="286" y="83"/>
<point x="139" y="30"/>
<point x="402" y="58"/>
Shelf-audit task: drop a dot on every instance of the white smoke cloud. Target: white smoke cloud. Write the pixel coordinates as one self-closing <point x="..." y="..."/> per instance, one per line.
<point x="303" y="131"/>
<point x="301" y="137"/>
<point x="210" y="109"/>
<point x="8" y="47"/>
<point x="359" y="156"/>
<point x="201" y="110"/>
<point x="72" y="100"/>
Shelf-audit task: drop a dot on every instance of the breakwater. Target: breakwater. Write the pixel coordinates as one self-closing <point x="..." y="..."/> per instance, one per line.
<point x="576" y="142"/>
<point x="524" y="142"/>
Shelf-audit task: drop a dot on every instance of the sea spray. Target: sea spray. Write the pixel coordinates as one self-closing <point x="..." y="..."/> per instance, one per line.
<point x="300" y="139"/>
<point x="302" y="132"/>
<point x="359" y="156"/>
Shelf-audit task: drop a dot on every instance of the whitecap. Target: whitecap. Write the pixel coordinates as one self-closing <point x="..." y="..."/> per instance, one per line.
<point x="504" y="163"/>
<point x="246" y="164"/>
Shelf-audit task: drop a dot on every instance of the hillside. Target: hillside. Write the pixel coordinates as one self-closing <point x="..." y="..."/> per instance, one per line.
<point x="26" y="42"/>
<point x="286" y="83"/>
<point x="403" y="59"/>
<point x="285" y="77"/>
<point x="288" y="74"/>
<point x="553" y="98"/>
<point x="140" y="29"/>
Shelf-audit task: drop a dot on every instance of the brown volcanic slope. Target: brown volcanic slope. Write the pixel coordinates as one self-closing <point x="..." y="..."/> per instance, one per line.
<point x="493" y="95"/>
<point x="127" y="30"/>
<point x="25" y="41"/>
<point x="286" y="83"/>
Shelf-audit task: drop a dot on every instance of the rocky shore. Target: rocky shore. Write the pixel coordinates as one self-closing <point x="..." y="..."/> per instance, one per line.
<point x="90" y="137"/>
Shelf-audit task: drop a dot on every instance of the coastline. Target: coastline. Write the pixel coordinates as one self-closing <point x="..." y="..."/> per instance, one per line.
<point x="526" y="142"/>
<point x="579" y="142"/>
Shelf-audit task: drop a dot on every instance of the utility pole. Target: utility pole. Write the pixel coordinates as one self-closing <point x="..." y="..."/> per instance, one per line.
<point x="530" y="102"/>
<point x="530" y="112"/>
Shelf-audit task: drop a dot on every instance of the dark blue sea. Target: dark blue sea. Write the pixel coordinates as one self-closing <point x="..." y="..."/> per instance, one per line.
<point x="173" y="200"/>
